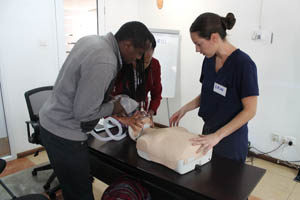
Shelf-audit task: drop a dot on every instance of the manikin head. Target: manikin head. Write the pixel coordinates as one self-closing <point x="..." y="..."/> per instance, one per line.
<point x="147" y="123"/>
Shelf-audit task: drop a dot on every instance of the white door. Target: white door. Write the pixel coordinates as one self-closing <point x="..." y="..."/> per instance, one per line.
<point x="29" y="58"/>
<point x="4" y="142"/>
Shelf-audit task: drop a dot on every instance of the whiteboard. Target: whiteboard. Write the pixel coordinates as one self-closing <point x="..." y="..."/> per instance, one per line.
<point x="166" y="52"/>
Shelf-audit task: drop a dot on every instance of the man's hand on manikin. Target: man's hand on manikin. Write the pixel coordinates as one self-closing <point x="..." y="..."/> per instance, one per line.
<point x="134" y="121"/>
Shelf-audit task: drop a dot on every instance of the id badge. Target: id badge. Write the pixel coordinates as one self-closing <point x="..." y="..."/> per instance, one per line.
<point x="220" y="89"/>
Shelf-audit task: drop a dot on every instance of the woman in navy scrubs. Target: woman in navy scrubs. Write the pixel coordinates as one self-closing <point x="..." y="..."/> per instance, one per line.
<point x="228" y="98"/>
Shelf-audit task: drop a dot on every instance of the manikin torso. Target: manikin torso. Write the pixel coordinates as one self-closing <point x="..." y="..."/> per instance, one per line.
<point x="170" y="147"/>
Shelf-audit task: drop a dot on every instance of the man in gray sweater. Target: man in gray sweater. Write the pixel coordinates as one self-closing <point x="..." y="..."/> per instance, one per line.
<point x="80" y="98"/>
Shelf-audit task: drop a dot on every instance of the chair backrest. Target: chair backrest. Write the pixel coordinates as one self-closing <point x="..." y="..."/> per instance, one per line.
<point x="35" y="99"/>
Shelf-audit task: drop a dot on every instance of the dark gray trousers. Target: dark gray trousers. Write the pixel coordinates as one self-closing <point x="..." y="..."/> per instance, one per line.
<point x="70" y="161"/>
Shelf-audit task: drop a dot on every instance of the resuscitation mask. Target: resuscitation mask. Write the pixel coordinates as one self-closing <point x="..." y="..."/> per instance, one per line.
<point x="129" y="106"/>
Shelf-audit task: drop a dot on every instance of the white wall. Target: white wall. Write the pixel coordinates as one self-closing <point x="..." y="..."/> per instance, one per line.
<point x="278" y="70"/>
<point x="279" y="79"/>
<point x="32" y="50"/>
<point x="114" y="13"/>
<point x="27" y="25"/>
<point x="29" y="59"/>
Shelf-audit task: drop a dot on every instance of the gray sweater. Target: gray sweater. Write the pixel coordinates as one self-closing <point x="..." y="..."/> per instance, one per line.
<point x="80" y="88"/>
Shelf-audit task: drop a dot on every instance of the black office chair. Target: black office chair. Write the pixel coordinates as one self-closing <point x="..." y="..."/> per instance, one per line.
<point x="26" y="197"/>
<point x="35" y="99"/>
<point x="297" y="178"/>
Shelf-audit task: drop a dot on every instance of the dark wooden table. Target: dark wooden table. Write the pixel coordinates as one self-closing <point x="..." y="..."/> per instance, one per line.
<point x="219" y="179"/>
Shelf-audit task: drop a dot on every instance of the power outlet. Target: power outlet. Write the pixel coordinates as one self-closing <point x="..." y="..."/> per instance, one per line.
<point x="263" y="36"/>
<point x="290" y="140"/>
<point x="275" y="137"/>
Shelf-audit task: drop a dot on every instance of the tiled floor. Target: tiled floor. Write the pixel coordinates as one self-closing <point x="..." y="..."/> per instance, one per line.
<point x="98" y="186"/>
<point x="277" y="183"/>
<point x="23" y="163"/>
<point x="17" y="165"/>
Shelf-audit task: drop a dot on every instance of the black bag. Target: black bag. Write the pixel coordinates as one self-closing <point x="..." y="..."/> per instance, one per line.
<point x="88" y="125"/>
<point x="126" y="188"/>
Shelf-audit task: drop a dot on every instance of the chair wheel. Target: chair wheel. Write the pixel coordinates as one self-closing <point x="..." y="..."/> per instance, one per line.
<point x="34" y="173"/>
<point x="52" y="196"/>
<point x="46" y="186"/>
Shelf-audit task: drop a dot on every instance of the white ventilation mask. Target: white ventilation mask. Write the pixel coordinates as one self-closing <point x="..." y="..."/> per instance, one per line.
<point x="130" y="107"/>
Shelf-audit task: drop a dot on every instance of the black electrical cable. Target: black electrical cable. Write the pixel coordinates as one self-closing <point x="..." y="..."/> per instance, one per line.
<point x="292" y="160"/>
<point x="282" y="161"/>
<point x="263" y="153"/>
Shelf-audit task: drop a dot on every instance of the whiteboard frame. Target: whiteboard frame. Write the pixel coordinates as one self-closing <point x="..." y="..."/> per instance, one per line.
<point x="171" y="32"/>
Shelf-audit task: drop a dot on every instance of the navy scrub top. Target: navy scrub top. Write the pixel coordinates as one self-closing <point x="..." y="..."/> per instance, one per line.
<point x="221" y="96"/>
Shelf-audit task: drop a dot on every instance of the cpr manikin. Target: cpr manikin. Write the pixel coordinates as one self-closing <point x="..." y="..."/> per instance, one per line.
<point x="168" y="146"/>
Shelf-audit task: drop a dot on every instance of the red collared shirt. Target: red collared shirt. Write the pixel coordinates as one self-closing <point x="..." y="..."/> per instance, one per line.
<point x="153" y="85"/>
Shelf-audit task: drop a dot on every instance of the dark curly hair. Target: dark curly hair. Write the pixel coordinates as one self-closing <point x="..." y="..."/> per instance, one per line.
<point x="134" y="31"/>
<point x="128" y="77"/>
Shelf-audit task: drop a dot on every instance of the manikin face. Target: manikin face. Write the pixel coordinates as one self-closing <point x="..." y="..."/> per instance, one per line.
<point x="148" y="57"/>
<point x="130" y="53"/>
<point x="203" y="46"/>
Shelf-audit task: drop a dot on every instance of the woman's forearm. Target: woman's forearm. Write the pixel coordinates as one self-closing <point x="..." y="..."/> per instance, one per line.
<point x="195" y="103"/>
<point x="248" y="112"/>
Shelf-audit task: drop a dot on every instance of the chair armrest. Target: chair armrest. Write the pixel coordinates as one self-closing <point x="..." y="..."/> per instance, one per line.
<point x="34" y="137"/>
<point x="35" y="125"/>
